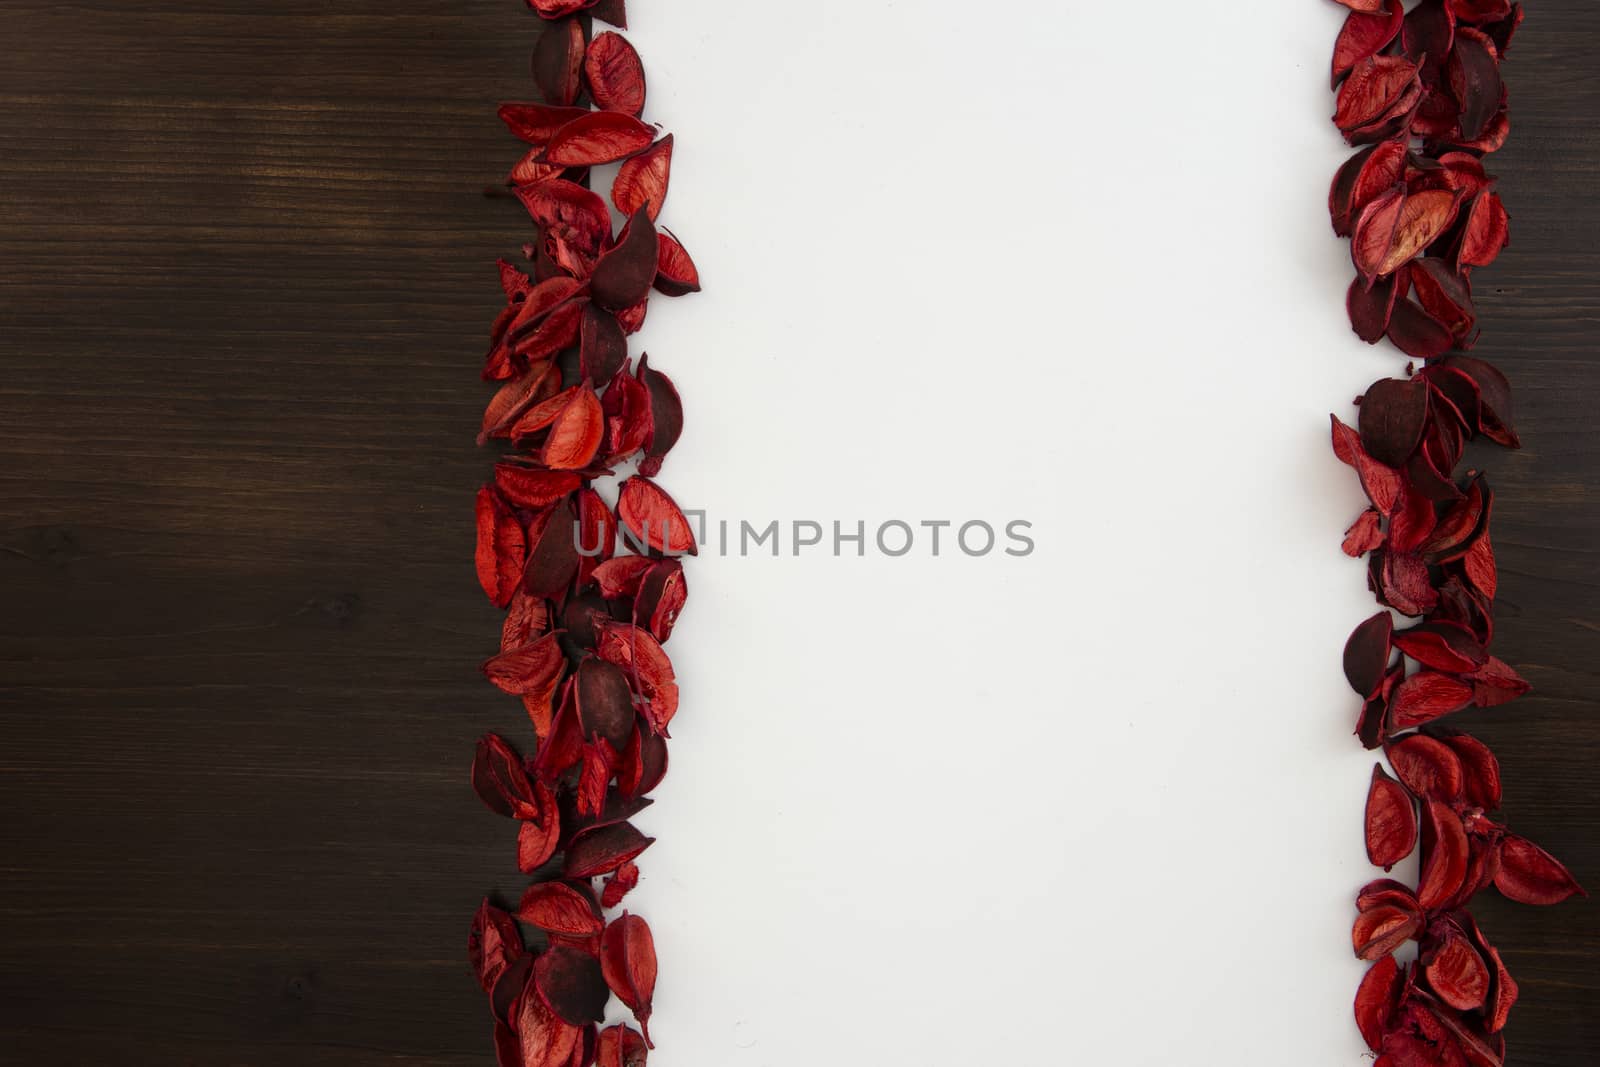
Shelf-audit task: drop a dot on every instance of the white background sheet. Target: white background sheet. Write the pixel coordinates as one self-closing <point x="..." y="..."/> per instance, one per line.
<point x="1065" y="263"/>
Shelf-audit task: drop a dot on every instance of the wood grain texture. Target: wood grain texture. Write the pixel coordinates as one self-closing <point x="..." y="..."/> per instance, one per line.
<point x="243" y="289"/>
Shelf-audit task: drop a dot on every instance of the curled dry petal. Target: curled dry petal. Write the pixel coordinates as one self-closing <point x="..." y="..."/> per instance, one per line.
<point x="1456" y="972"/>
<point x="1488" y="230"/>
<point x="557" y="908"/>
<point x="537" y="123"/>
<point x="1377" y="999"/>
<point x="1365" y="534"/>
<point x="654" y="518"/>
<point x="1370" y="307"/>
<point x="1474" y="73"/>
<point x="538" y="839"/>
<point x="553" y="558"/>
<point x="558" y="56"/>
<point x="527" y="620"/>
<point x="571" y="984"/>
<point x="1417" y="333"/>
<point x="1530" y="875"/>
<point x="620" y="1046"/>
<point x="1444" y="855"/>
<point x="547" y="1039"/>
<point x="500" y="781"/>
<point x="642" y="181"/>
<point x="1393" y="416"/>
<point x="501" y="547"/>
<point x="598" y="137"/>
<point x="527" y="670"/>
<point x="628" y="957"/>
<point x="575" y="432"/>
<point x="616" y="75"/>
<point x="662" y="593"/>
<point x="1373" y="89"/>
<point x="1366" y="653"/>
<point x="602" y="346"/>
<point x="1429" y="695"/>
<point x="1391" y="823"/>
<point x="602" y="849"/>
<point x="1395" y="227"/>
<point x="676" y="274"/>
<point x="493" y="945"/>
<point x="605" y="704"/>
<point x="619" y="885"/>
<point x="579" y="215"/>
<point x="1444" y="646"/>
<point x="1427" y="766"/>
<point x="619" y="578"/>
<point x="1382" y="484"/>
<point x="528" y="487"/>
<point x="1365" y="35"/>
<point x="1494" y="398"/>
<point x="1480" y="771"/>
<point x="649" y="671"/>
<point x="623" y="276"/>
<point x="1381" y="929"/>
<point x="666" y="416"/>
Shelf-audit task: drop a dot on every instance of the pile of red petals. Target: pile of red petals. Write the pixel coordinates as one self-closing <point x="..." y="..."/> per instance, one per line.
<point x="582" y="643"/>
<point x="1421" y="92"/>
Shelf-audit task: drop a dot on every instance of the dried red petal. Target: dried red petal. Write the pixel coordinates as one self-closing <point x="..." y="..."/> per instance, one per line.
<point x="605" y="703"/>
<point x="616" y="75"/>
<point x="527" y="620"/>
<point x="598" y="137"/>
<point x="547" y="1039"/>
<point x="1456" y="972"/>
<point x="1479" y="10"/>
<point x="571" y="984"/>
<point x="1494" y="398"/>
<point x="553" y="558"/>
<point x="628" y="957"/>
<point x="603" y="347"/>
<point x="666" y="416"/>
<point x="560" y="909"/>
<point x="1367" y="6"/>
<point x="623" y="276"/>
<point x="1382" y="484"/>
<point x="1429" y="695"/>
<point x="1402" y="582"/>
<point x="493" y="945"/>
<point x="1480" y="567"/>
<point x="619" y="885"/>
<point x="528" y="487"/>
<point x="620" y="1046"/>
<point x="501" y="547"/>
<point x="1530" y="875"/>
<point x="1395" y="227"/>
<point x="558" y="55"/>
<point x="1392" y="417"/>
<point x="1371" y="306"/>
<point x="597" y="534"/>
<point x="654" y="518"/>
<point x="619" y="578"/>
<point x="566" y="208"/>
<point x="1427" y="36"/>
<point x="642" y="181"/>
<point x="1379" y="930"/>
<point x="602" y="849"/>
<point x="500" y="781"/>
<point x="1366" y="653"/>
<point x="1446" y="296"/>
<point x="1365" y="534"/>
<point x="1373" y="90"/>
<point x="527" y="670"/>
<point x="662" y="593"/>
<point x="1377" y="999"/>
<point x="1365" y="35"/>
<point x="1427" y="766"/>
<point x="1488" y="230"/>
<point x="576" y="433"/>
<point x="1444" y="855"/>
<point x="1417" y="333"/>
<point x="1391" y="822"/>
<point x="537" y="123"/>
<point x="1474" y="73"/>
<point x="649" y="671"/>
<point x="1444" y="646"/>
<point x="676" y="274"/>
<point x="538" y="839"/>
<point x="1480" y="770"/>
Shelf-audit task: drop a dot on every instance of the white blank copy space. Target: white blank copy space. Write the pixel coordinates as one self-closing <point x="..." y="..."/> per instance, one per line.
<point x="1096" y="805"/>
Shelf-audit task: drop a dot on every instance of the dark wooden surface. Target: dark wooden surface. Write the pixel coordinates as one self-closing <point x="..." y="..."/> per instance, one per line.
<point x="242" y="291"/>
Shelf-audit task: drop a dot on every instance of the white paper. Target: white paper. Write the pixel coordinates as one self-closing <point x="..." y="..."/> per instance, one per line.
<point x="1061" y="263"/>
